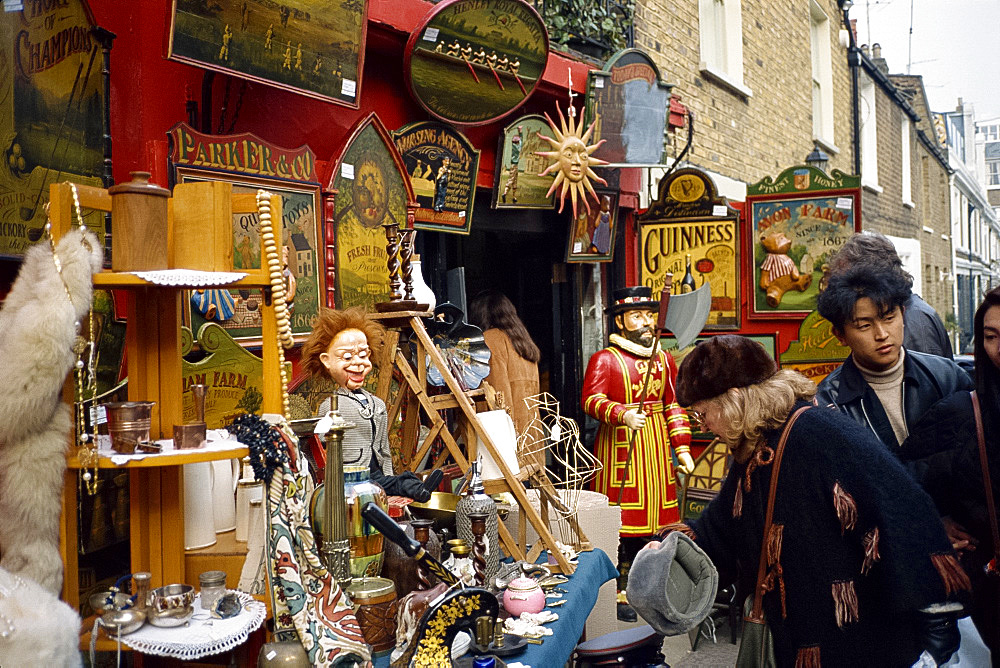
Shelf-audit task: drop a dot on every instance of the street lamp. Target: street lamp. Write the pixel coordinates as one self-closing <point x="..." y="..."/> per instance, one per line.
<point x="845" y="4"/>
<point x="817" y="157"/>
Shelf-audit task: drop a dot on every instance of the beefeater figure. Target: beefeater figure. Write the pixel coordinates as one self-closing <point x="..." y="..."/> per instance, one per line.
<point x="611" y="389"/>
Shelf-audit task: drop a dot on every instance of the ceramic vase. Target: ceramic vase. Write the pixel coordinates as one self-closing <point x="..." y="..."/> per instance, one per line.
<point x="422" y="292"/>
<point x="523" y="595"/>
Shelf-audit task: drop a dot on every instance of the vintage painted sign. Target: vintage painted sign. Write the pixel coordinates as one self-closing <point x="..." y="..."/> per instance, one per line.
<point x="51" y="114"/>
<point x="371" y="191"/>
<point x="474" y="61"/>
<point x="442" y="165"/>
<point x="592" y="232"/>
<point x="797" y="222"/>
<point x="309" y="46"/>
<point x="804" y="177"/>
<point x="241" y="154"/>
<point x="689" y="229"/>
<point x="817" y="351"/>
<point x="517" y="184"/>
<point x="250" y="163"/>
<point x="631" y="104"/>
<point x="233" y="378"/>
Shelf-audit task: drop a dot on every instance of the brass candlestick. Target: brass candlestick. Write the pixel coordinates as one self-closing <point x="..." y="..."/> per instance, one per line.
<point x="336" y="549"/>
<point x="392" y="264"/>
<point x="421" y="534"/>
<point x="405" y="255"/>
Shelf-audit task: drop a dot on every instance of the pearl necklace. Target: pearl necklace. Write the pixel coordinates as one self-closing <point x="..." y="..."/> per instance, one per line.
<point x="84" y="370"/>
<point x="277" y="290"/>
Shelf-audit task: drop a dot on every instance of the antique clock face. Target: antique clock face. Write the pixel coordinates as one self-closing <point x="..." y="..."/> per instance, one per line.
<point x="370" y="197"/>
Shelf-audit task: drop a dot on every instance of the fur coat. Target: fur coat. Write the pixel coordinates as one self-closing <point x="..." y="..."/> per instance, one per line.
<point x="39" y="322"/>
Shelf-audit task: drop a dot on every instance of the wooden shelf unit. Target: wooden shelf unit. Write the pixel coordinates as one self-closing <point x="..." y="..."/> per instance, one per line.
<point x="153" y="348"/>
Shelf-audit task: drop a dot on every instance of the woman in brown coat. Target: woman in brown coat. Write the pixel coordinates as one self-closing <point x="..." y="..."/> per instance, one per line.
<point x="514" y="356"/>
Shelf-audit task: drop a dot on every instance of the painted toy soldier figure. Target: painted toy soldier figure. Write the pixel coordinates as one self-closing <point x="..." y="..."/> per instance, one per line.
<point x="510" y="185"/>
<point x="611" y="394"/>
<point x="441" y="184"/>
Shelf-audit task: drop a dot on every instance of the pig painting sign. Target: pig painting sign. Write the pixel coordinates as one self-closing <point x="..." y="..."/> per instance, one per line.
<point x="793" y="234"/>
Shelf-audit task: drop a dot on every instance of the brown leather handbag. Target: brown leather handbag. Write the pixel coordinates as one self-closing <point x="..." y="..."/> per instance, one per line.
<point x="757" y="645"/>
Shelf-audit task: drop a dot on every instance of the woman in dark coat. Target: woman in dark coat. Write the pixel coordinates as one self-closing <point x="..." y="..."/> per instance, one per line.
<point x="859" y="568"/>
<point x="944" y="454"/>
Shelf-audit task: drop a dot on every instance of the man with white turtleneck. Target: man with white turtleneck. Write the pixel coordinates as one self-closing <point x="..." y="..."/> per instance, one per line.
<point x="881" y="385"/>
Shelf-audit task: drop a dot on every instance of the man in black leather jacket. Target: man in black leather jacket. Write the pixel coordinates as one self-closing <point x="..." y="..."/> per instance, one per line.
<point x="882" y="386"/>
<point x="923" y="332"/>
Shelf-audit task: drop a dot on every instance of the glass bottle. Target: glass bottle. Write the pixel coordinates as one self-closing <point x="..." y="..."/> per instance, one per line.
<point x="687" y="284"/>
<point x="212" y="587"/>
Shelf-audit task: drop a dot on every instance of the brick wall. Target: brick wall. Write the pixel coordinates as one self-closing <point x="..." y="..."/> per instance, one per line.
<point x="929" y="216"/>
<point x="749" y="138"/>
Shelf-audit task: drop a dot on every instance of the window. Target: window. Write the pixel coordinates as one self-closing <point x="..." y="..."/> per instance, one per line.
<point x="822" y="75"/>
<point x="721" y="34"/>
<point x="956" y="136"/>
<point x="993" y="173"/>
<point x="989" y="132"/>
<point x="925" y="190"/>
<point x="869" y="136"/>
<point x="905" y="161"/>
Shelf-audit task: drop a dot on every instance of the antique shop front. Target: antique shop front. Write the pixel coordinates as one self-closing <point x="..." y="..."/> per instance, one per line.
<point x="364" y="120"/>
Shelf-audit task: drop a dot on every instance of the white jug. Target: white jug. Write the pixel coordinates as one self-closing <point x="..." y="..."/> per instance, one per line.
<point x="246" y="492"/>
<point x="199" y="520"/>
<point x="225" y="474"/>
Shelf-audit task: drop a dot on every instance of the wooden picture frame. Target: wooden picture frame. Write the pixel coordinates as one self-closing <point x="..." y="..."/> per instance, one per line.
<point x="313" y="48"/>
<point x="527" y="190"/>
<point x="471" y="62"/>
<point x="301" y="232"/>
<point x="367" y="189"/>
<point x="797" y="222"/>
<point x="441" y="164"/>
<point x="592" y="233"/>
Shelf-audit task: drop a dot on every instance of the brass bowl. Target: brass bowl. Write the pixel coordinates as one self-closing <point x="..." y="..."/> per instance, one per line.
<point x="441" y="509"/>
<point x="172" y="605"/>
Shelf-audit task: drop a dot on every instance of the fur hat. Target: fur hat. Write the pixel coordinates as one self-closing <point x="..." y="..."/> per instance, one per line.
<point x="635" y="297"/>
<point x="719" y="363"/>
<point x="673" y="587"/>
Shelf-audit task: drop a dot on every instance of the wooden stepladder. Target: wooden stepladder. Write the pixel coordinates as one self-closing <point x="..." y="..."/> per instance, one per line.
<point x="414" y="391"/>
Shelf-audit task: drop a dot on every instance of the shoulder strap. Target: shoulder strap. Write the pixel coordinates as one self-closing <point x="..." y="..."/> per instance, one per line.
<point x="756" y="613"/>
<point x="984" y="463"/>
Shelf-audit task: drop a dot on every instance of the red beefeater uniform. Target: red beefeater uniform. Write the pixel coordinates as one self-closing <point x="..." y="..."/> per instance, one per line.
<point x="612" y="386"/>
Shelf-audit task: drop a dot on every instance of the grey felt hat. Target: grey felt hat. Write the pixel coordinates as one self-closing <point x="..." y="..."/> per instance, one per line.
<point x="673" y="586"/>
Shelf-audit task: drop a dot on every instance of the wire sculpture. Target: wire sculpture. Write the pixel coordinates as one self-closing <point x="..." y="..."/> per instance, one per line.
<point x="556" y="438"/>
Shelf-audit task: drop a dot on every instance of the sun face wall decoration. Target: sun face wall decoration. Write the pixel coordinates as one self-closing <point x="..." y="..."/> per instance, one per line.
<point x="572" y="159"/>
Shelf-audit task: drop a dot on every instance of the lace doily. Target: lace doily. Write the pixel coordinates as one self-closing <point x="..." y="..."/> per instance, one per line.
<point x="190" y="277"/>
<point x="202" y="636"/>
